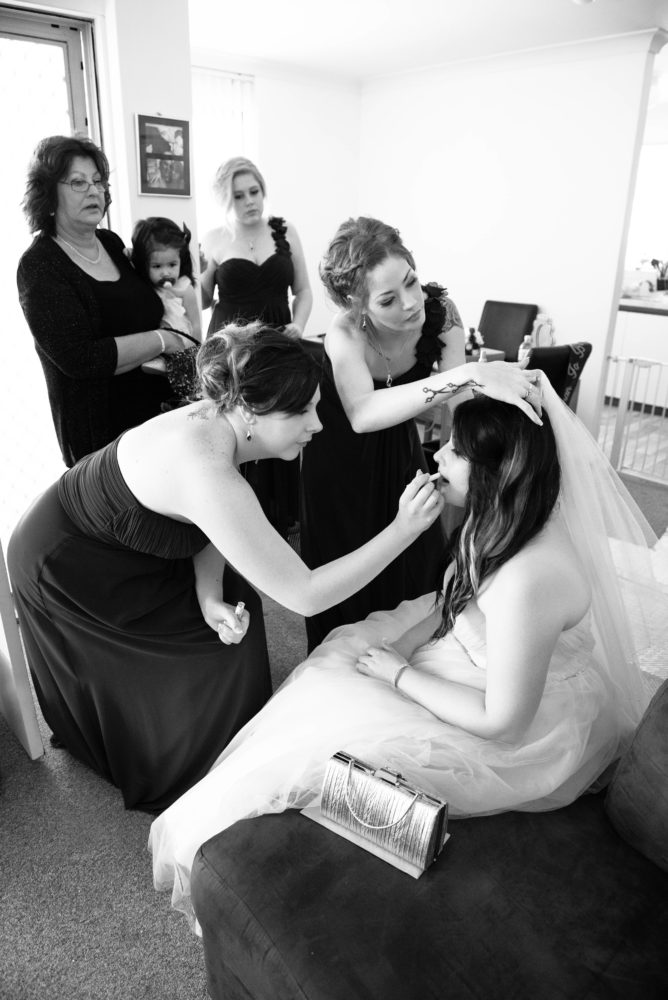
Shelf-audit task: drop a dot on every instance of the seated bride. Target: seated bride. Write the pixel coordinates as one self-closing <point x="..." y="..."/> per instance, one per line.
<point x="513" y="686"/>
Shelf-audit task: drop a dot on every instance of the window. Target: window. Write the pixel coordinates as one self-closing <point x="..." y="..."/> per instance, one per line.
<point x="224" y="125"/>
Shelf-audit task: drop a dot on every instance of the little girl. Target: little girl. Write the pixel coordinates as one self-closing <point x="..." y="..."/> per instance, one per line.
<point x="161" y="255"/>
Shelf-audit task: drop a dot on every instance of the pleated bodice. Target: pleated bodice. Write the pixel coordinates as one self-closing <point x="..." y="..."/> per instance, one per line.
<point x="96" y="497"/>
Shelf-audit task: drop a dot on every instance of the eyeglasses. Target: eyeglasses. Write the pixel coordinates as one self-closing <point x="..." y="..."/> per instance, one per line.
<point x="81" y="186"/>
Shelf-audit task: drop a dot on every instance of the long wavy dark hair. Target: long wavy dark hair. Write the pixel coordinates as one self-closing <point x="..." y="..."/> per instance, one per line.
<point x="514" y="483"/>
<point x="50" y="163"/>
<point x="156" y="233"/>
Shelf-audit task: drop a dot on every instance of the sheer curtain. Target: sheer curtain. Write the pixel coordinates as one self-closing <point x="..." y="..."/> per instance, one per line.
<point x="224" y="125"/>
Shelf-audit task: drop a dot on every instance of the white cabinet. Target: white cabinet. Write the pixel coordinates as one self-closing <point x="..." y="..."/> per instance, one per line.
<point x="641" y="335"/>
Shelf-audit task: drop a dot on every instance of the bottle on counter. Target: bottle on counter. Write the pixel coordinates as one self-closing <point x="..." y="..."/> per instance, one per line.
<point x="525" y="348"/>
<point x="543" y="331"/>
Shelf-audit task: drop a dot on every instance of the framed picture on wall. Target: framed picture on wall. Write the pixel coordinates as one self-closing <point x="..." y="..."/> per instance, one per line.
<point x="163" y="148"/>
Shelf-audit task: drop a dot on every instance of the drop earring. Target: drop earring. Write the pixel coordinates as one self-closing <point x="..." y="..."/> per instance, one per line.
<point x="249" y="435"/>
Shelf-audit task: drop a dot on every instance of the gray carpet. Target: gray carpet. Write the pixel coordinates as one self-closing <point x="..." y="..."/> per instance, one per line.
<point x="79" y="918"/>
<point x="652" y="498"/>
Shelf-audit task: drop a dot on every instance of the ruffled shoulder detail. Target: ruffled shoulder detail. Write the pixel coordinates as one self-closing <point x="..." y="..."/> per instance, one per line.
<point x="441" y="314"/>
<point x="279" y="230"/>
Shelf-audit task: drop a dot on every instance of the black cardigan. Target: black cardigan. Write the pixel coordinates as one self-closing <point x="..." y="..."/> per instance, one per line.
<point x="59" y="303"/>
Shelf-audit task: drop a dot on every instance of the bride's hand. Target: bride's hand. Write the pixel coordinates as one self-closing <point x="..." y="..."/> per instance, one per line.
<point x="510" y="383"/>
<point x="381" y="662"/>
<point x="419" y="505"/>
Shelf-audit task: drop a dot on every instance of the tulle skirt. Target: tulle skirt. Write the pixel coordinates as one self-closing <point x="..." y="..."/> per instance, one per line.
<point x="278" y="759"/>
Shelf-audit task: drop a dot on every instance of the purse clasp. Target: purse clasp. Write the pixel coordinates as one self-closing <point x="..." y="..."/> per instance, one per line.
<point x="385" y="774"/>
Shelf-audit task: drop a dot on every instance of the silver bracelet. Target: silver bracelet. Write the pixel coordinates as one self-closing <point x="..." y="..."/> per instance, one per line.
<point x="162" y="341"/>
<point x="400" y="670"/>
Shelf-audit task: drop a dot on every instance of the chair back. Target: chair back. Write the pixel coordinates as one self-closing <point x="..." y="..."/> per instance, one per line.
<point x="563" y="366"/>
<point x="504" y="325"/>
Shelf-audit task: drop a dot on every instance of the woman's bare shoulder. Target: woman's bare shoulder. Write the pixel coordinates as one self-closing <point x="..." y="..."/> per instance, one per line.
<point x="215" y="242"/>
<point x="188" y="443"/>
<point x="342" y="330"/>
<point x="546" y="568"/>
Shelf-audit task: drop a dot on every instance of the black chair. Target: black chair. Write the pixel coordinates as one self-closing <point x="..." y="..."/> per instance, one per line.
<point x="504" y="325"/>
<point x="563" y="366"/>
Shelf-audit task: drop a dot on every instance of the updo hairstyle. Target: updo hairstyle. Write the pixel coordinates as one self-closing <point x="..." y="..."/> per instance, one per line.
<point x="49" y="165"/>
<point x="224" y="179"/>
<point x="514" y="483"/>
<point x="258" y="367"/>
<point x="358" y="247"/>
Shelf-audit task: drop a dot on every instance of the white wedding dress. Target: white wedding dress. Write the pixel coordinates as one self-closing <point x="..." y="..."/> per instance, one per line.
<point x="592" y="701"/>
<point x="278" y="760"/>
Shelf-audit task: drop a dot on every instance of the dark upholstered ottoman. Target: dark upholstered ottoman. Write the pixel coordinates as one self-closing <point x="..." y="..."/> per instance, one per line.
<point x="519" y="906"/>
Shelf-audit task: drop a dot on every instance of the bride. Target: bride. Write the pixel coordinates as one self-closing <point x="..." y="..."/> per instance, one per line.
<point x="513" y="687"/>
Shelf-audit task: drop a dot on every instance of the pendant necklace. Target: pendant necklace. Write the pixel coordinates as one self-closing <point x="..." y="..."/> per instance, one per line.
<point x="375" y="346"/>
<point x="83" y="256"/>
<point x="251" y="240"/>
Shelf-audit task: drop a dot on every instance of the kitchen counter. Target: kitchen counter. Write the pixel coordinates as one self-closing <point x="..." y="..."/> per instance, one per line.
<point x="654" y="303"/>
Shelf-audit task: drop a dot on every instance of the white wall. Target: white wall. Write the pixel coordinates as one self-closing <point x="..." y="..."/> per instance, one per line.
<point x="309" y="150"/>
<point x="147" y="55"/>
<point x="648" y="233"/>
<point x="510" y="179"/>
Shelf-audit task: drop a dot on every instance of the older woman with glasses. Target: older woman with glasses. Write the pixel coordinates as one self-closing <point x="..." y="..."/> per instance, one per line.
<point x="94" y="321"/>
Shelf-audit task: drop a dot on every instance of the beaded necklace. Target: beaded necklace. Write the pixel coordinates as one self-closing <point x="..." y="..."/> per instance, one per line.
<point x="89" y="260"/>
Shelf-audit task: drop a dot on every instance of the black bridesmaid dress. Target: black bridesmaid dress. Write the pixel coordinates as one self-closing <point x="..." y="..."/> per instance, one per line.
<point x="128" y="675"/>
<point x="246" y="292"/>
<point x="351" y="484"/>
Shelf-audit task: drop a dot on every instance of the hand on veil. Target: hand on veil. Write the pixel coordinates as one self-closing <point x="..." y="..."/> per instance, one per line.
<point x="508" y="382"/>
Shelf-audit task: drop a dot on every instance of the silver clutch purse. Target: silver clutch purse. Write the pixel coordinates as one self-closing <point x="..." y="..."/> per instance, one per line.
<point x="379" y="810"/>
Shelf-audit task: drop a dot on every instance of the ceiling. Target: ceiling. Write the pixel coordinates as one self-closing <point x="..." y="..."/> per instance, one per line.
<point x="360" y="39"/>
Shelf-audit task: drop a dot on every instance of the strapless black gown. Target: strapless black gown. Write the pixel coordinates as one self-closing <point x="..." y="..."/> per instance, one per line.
<point x="128" y="675"/>
<point x="248" y="291"/>
<point x="351" y="484"/>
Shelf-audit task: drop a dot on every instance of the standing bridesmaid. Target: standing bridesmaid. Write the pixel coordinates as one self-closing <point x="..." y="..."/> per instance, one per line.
<point x="256" y="271"/>
<point x="382" y="350"/>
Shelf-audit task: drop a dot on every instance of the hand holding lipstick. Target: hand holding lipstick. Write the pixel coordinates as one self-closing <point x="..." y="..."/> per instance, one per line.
<point x="233" y="624"/>
<point x="419" y="504"/>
